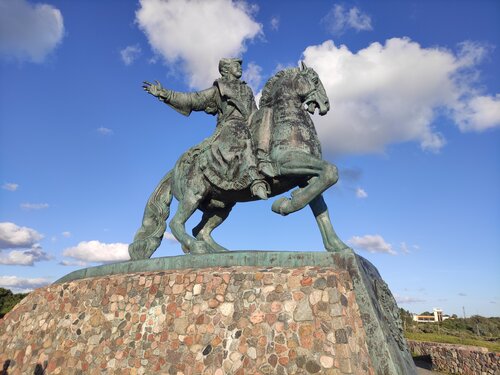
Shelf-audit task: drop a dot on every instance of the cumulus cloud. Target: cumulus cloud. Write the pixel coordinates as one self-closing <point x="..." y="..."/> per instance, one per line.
<point x="372" y="243"/>
<point x="197" y="33"/>
<point x="391" y="93"/>
<point x="360" y="193"/>
<point x="29" y="32"/>
<point x="104" y="131"/>
<point x="34" y="206"/>
<point x="480" y="113"/>
<point x="339" y="19"/>
<point x="13" y="236"/>
<point x="21" y="284"/>
<point x="130" y="53"/>
<point x="253" y="75"/>
<point x="24" y="257"/>
<point x="407" y="299"/>
<point x="10" y="186"/>
<point x="95" y="251"/>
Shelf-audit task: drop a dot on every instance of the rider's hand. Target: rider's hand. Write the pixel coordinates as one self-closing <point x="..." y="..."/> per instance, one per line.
<point x="153" y="89"/>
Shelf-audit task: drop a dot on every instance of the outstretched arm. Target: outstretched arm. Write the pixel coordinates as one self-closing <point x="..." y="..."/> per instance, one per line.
<point x="185" y="103"/>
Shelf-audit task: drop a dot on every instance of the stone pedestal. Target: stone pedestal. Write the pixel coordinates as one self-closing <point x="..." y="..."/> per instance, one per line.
<point x="236" y="313"/>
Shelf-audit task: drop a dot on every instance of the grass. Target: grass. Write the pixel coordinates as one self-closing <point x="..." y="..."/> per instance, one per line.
<point x="448" y="339"/>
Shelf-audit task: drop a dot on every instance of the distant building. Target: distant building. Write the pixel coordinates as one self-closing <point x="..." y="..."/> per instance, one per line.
<point x="436" y="317"/>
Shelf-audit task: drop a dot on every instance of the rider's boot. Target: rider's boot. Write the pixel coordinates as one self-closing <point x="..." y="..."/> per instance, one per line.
<point x="264" y="164"/>
<point x="266" y="168"/>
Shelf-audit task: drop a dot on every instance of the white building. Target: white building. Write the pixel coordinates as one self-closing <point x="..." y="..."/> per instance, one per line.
<point x="437" y="316"/>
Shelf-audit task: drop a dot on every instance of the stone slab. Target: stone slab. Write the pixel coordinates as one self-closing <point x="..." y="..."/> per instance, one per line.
<point x="232" y="258"/>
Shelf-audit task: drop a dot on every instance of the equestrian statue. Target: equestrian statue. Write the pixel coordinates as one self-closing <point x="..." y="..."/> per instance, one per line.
<point x="254" y="153"/>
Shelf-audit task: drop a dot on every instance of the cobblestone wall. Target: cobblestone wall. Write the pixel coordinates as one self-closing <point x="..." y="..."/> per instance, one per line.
<point x="235" y="320"/>
<point x="457" y="359"/>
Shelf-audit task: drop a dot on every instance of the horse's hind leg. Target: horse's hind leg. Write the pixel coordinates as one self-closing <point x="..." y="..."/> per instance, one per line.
<point x="187" y="206"/>
<point x="211" y="220"/>
<point x="330" y="239"/>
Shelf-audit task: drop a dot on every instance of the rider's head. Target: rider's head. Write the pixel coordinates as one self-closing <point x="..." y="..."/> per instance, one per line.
<point x="230" y="67"/>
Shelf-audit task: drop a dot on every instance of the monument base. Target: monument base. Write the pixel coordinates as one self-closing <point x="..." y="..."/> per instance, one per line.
<point x="280" y="313"/>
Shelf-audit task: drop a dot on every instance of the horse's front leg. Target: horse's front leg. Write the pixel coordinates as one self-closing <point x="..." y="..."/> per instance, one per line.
<point x="296" y="163"/>
<point x="330" y="239"/>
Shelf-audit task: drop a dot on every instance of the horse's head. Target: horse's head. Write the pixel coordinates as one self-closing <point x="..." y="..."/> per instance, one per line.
<point x="311" y="90"/>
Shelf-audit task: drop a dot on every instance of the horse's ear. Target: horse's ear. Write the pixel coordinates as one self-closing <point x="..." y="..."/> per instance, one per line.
<point x="302" y="65"/>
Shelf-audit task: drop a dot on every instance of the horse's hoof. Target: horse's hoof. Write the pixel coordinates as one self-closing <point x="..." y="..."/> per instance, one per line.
<point x="199" y="247"/>
<point x="279" y="206"/>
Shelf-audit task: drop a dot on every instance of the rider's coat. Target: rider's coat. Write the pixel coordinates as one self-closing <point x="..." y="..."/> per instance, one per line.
<point x="227" y="158"/>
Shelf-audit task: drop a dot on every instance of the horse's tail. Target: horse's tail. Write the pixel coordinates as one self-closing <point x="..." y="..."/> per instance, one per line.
<point x="150" y="234"/>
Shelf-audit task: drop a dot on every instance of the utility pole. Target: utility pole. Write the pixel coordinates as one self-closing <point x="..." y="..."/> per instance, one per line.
<point x="463" y="309"/>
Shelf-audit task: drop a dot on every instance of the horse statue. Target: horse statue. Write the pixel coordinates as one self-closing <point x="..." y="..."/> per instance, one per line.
<point x="283" y="130"/>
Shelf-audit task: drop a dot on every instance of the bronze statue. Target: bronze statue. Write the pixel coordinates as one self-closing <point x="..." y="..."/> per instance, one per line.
<point x="253" y="153"/>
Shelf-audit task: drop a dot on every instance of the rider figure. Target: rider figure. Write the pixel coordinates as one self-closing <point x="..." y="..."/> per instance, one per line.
<point x="228" y="156"/>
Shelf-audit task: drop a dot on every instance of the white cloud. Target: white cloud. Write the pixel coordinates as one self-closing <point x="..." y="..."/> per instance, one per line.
<point x="372" y="243"/>
<point x="76" y="263"/>
<point x="360" y="193"/>
<point x="10" y="186"/>
<point x="275" y="23"/>
<point x="21" y="284"/>
<point x="480" y="113"/>
<point x="24" y="257"/>
<point x="169" y="237"/>
<point x="338" y="20"/>
<point x="197" y="33"/>
<point x="34" y="206"/>
<point x="95" y="251"/>
<point x="66" y="234"/>
<point x="13" y="236"/>
<point x="29" y="32"/>
<point x="407" y="299"/>
<point x="392" y="93"/>
<point x="253" y="75"/>
<point x="104" y="131"/>
<point x="404" y="248"/>
<point x="130" y="53"/>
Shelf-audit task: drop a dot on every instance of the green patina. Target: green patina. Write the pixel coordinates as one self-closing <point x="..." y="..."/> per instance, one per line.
<point x="253" y="154"/>
<point x="234" y="258"/>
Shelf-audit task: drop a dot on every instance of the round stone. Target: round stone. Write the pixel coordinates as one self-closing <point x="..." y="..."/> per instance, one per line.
<point x="312" y="367"/>
<point x="326" y="361"/>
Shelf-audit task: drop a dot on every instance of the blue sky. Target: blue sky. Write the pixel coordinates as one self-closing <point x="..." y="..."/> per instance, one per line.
<point x="413" y="129"/>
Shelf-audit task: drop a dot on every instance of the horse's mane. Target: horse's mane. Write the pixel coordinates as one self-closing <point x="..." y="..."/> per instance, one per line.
<point x="268" y="91"/>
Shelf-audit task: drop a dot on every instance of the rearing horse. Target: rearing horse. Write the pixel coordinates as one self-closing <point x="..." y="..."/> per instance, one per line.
<point x="282" y="129"/>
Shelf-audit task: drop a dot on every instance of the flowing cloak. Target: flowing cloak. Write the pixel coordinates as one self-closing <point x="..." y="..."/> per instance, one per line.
<point x="227" y="157"/>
